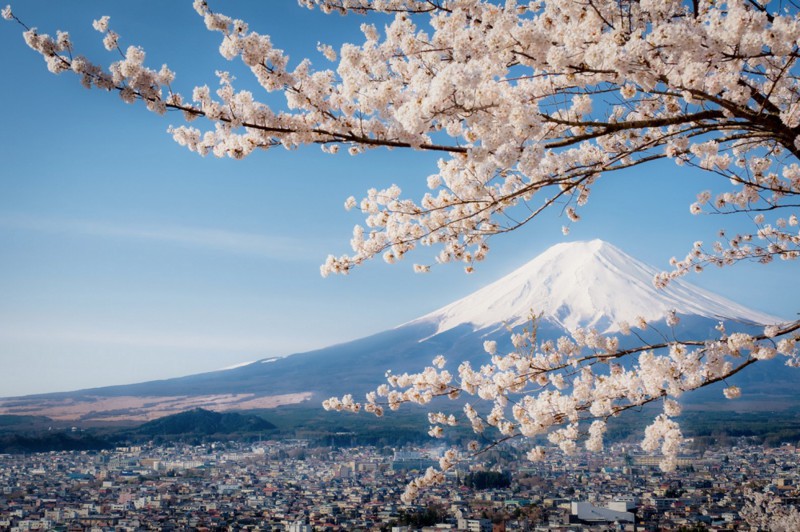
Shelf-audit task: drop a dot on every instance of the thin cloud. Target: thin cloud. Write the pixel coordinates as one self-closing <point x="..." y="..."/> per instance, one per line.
<point x="275" y="247"/>
<point x="71" y="338"/>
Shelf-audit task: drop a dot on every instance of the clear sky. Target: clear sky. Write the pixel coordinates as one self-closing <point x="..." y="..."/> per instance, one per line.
<point x="124" y="257"/>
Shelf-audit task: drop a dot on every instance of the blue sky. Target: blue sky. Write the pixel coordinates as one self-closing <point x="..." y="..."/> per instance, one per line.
<point x="124" y="257"/>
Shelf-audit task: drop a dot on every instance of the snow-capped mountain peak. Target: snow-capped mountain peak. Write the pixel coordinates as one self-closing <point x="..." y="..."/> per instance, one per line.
<point x="585" y="284"/>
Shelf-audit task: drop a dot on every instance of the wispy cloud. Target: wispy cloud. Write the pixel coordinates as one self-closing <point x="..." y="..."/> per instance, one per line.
<point x="276" y="247"/>
<point x="140" y="339"/>
<point x="71" y="338"/>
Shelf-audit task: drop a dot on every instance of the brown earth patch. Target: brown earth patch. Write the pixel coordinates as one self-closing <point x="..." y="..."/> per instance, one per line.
<point x="132" y="408"/>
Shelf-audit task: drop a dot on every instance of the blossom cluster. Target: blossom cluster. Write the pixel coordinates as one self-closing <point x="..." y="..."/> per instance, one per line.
<point x="766" y="511"/>
<point x="567" y="389"/>
<point x="529" y="103"/>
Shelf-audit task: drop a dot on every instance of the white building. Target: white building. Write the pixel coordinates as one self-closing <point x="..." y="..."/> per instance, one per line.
<point x="589" y="513"/>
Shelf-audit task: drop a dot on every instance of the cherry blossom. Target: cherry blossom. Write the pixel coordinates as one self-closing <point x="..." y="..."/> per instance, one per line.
<point x="767" y="511"/>
<point x="707" y="84"/>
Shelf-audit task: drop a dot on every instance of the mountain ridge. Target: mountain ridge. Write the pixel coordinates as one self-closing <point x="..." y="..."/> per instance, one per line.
<point x="570" y="281"/>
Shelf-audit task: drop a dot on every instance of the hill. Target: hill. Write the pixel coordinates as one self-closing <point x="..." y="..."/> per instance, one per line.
<point x="201" y="422"/>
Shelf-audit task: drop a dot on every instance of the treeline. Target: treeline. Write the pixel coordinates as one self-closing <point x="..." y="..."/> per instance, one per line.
<point x="722" y="429"/>
<point x="482" y="480"/>
<point x="417" y="519"/>
<point x="54" y="441"/>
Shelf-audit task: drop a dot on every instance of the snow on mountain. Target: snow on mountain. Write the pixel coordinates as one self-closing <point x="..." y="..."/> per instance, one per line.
<point x="585" y="284"/>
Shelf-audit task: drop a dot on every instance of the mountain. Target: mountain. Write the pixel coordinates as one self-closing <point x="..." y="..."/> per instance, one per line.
<point x="578" y="284"/>
<point x="585" y="284"/>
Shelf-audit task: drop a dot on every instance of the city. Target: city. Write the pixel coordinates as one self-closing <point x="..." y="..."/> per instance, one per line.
<point x="288" y="485"/>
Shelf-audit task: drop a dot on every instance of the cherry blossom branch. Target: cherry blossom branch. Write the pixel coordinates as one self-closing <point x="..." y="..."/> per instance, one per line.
<point x="558" y="407"/>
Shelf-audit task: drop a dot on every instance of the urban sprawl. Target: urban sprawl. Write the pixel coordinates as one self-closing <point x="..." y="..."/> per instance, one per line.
<point x="293" y="486"/>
